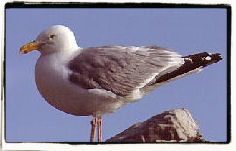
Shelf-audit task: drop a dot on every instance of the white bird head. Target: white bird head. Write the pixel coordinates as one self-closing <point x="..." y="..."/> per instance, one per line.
<point x="53" y="39"/>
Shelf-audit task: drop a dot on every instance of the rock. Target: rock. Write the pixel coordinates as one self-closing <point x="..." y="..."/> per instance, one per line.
<point x="170" y="126"/>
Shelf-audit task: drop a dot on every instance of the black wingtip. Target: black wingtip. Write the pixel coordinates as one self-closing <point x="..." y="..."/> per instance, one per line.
<point x="204" y="59"/>
<point x="216" y="57"/>
<point x="191" y="62"/>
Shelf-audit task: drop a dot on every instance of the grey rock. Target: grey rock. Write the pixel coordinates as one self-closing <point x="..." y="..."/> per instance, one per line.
<point x="170" y="126"/>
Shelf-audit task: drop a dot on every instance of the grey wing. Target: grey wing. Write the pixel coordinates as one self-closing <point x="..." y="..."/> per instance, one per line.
<point x="119" y="69"/>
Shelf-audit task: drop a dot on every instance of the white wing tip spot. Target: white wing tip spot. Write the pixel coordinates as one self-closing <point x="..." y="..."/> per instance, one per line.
<point x="208" y="58"/>
<point x="189" y="59"/>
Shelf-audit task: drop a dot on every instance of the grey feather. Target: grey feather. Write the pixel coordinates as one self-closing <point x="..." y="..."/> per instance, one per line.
<point x="119" y="69"/>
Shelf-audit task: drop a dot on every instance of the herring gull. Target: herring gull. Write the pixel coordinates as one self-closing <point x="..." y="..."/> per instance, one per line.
<point x="99" y="80"/>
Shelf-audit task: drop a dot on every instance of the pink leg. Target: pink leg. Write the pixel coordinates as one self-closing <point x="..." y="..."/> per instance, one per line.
<point x="93" y="131"/>
<point x="99" y="124"/>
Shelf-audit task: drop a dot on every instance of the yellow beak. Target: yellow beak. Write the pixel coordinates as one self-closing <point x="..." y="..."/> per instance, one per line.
<point x="29" y="47"/>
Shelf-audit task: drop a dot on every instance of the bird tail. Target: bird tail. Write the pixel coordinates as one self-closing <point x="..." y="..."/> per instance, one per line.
<point x="192" y="63"/>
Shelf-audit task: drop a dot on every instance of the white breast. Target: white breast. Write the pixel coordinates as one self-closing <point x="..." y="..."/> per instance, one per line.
<point x="51" y="75"/>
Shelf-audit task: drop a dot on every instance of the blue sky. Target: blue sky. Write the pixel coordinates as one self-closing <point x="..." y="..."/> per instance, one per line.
<point x="29" y="118"/>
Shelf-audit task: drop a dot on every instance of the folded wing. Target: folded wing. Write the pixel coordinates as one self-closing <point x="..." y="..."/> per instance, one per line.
<point x="121" y="70"/>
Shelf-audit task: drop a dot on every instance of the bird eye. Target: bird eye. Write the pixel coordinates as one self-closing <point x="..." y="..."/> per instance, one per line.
<point x="52" y="36"/>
